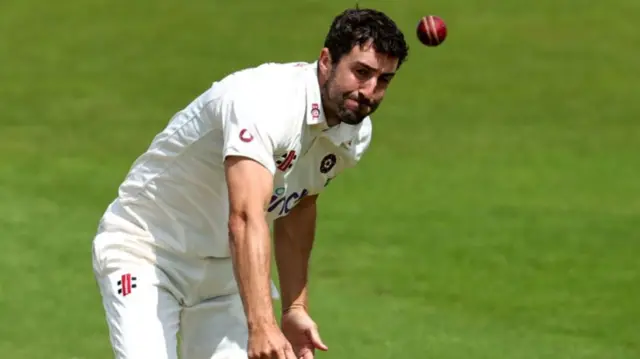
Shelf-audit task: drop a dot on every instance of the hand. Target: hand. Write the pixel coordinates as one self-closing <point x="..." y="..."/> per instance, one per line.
<point x="302" y="333"/>
<point x="268" y="342"/>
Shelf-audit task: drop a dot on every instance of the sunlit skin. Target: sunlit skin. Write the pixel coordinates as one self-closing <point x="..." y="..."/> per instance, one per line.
<point x="354" y="88"/>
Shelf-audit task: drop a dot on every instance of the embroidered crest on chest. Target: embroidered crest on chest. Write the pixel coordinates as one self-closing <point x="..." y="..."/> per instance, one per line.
<point x="286" y="161"/>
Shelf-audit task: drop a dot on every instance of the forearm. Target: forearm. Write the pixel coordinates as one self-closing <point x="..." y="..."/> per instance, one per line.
<point x="251" y="254"/>
<point x="294" y="238"/>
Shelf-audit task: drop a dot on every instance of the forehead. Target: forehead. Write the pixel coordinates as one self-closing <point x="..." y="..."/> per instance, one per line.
<point x="367" y="55"/>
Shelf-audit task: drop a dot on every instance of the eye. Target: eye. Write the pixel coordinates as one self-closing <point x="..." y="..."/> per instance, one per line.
<point x="362" y="73"/>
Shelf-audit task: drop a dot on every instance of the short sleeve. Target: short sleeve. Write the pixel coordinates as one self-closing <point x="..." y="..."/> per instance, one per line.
<point x="249" y="131"/>
<point x="358" y="146"/>
<point x="363" y="140"/>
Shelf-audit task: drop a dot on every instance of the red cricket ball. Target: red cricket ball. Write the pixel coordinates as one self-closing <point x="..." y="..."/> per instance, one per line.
<point x="431" y="30"/>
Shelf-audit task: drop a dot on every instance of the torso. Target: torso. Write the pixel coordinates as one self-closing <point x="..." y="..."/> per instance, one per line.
<point x="317" y="161"/>
<point x="176" y="191"/>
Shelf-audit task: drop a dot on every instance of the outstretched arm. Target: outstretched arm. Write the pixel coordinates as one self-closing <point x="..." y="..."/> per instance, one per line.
<point x="249" y="187"/>
<point x="294" y="237"/>
<point x="253" y="130"/>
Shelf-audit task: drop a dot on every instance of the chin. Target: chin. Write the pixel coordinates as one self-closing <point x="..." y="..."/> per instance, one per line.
<point x="351" y="117"/>
<point x="353" y="121"/>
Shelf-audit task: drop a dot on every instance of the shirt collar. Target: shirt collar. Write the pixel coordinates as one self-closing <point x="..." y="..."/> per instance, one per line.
<point x="314" y="114"/>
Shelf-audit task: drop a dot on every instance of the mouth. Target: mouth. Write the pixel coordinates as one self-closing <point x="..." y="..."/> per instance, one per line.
<point x="356" y="106"/>
<point x="352" y="104"/>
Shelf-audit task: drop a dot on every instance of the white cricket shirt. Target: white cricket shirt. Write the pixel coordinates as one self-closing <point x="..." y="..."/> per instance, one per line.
<point x="175" y="194"/>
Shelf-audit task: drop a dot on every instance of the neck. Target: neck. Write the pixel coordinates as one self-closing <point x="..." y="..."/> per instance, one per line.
<point x="332" y="121"/>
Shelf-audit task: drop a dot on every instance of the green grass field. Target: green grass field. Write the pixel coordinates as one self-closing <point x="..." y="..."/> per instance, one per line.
<point x="496" y="215"/>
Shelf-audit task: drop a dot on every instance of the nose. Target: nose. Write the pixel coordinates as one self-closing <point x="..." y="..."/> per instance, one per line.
<point x="368" y="88"/>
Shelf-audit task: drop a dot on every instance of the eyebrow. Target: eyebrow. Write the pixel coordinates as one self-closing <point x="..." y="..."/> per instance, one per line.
<point x="386" y="74"/>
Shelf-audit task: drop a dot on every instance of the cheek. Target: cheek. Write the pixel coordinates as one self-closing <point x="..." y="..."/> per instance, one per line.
<point x="346" y="82"/>
<point x="381" y="89"/>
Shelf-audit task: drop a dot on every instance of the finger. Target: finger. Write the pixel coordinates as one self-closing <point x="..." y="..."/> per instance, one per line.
<point x="306" y="352"/>
<point x="281" y="354"/>
<point x="288" y="353"/>
<point x="316" y="340"/>
<point x="285" y="354"/>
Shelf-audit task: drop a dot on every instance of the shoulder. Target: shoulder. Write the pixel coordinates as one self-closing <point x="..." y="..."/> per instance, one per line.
<point x="271" y="94"/>
<point x="362" y="140"/>
<point x="358" y="144"/>
<point x="267" y="83"/>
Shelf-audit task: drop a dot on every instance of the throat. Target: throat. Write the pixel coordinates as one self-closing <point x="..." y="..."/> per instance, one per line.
<point x="332" y="121"/>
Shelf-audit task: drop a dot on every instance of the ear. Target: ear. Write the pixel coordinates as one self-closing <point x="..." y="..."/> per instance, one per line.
<point x="324" y="62"/>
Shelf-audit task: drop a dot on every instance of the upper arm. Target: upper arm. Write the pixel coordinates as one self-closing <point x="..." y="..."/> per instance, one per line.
<point x="251" y="136"/>
<point x="303" y="214"/>
<point x="249" y="185"/>
<point x="306" y="204"/>
<point x="250" y="130"/>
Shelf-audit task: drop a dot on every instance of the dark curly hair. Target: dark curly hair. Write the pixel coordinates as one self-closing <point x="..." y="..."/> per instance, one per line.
<point x="358" y="26"/>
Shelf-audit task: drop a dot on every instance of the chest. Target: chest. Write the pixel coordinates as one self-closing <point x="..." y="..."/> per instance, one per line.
<point x="304" y="171"/>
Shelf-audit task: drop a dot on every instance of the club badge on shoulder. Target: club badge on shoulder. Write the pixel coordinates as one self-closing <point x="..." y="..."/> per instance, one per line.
<point x="327" y="163"/>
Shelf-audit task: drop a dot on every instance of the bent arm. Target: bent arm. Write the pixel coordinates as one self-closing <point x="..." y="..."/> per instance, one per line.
<point x="249" y="186"/>
<point x="294" y="237"/>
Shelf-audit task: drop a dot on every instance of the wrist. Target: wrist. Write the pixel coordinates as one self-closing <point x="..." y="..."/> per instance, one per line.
<point x="295" y="307"/>
<point x="256" y="325"/>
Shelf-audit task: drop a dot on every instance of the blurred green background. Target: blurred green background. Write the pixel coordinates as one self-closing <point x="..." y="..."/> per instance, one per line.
<point x="495" y="216"/>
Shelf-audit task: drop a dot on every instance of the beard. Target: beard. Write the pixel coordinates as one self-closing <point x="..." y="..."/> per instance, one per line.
<point x="335" y="103"/>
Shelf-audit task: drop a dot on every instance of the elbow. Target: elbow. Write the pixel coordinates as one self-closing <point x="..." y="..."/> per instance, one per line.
<point x="243" y="222"/>
<point x="237" y="223"/>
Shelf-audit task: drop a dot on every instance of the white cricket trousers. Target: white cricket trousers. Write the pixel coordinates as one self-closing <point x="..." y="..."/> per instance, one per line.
<point x="151" y="297"/>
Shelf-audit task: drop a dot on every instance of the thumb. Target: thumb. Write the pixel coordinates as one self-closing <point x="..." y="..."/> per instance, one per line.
<point x="315" y="339"/>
